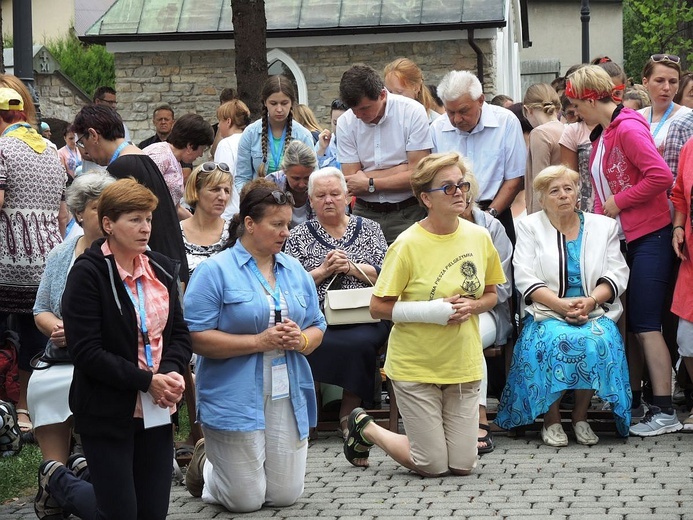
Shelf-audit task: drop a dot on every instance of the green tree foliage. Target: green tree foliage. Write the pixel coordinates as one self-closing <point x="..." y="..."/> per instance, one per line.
<point x="656" y="26"/>
<point x="90" y="66"/>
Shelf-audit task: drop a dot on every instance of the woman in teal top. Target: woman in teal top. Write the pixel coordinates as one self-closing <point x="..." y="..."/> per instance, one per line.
<point x="254" y="316"/>
<point x="570" y="272"/>
<point x="262" y="145"/>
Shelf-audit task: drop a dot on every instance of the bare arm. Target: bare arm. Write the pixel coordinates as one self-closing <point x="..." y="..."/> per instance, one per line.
<point x="381" y="307"/>
<point x="46" y="322"/>
<point x="569" y="158"/>
<point x="395" y="178"/>
<point x="506" y="194"/>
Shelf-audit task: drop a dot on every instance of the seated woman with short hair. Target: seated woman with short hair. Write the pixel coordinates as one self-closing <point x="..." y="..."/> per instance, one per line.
<point x="570" y="302"/>
<point x="353" y="248"/>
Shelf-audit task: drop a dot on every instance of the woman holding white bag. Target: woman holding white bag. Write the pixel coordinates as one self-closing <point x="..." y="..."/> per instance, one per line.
<point x="353" y="248"/>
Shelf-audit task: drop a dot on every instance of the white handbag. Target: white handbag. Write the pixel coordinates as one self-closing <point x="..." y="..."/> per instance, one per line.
<point x="349" y="306"/>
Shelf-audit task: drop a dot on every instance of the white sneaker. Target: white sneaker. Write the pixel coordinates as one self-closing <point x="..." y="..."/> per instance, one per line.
<point x="655" y="423"/>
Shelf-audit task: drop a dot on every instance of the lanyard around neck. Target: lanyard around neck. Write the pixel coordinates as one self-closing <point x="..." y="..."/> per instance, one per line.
<point x="274" y="293"/>
<point x="661" y="121"/>
<point x="143" y="319"/>
<point x="14" y="127"/>
<point x="116" y="154"/>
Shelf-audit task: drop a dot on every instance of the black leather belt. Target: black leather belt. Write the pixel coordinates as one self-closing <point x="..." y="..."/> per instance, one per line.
<point x="387" y="207"/>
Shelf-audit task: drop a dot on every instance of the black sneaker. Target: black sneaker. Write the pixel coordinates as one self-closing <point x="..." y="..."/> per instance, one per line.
<point x="10" y="434"/>
<point x="45" y="506"/>
<point x="77" y="463"/>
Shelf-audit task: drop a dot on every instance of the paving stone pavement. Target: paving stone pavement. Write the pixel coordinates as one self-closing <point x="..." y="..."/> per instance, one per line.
<point x="628" y="479"/>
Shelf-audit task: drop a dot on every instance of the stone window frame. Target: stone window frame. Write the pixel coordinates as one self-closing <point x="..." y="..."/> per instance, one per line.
<point x="280" y="55"/>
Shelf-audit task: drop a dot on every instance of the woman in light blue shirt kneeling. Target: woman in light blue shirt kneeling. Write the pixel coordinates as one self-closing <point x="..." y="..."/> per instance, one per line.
<point x="253" y="314"/>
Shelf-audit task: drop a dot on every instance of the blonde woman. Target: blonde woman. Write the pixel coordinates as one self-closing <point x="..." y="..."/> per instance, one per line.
<point x="404" y="77"/>
<point x="437" y="278"/>
<point x="541" y="107"/>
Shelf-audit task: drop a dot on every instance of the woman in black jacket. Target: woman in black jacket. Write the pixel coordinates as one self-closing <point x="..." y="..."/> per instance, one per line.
<point x="128" y="370"/>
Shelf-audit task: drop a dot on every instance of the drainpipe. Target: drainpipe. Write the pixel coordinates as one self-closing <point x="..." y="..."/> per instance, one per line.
<point x="479" y="56"/>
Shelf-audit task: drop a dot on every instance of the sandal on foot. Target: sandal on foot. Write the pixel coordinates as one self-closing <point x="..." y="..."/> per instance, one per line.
<point x="486" y="439"/>
<point x="356" y="447"/>
<point x="554" y="436"/>
<point x="584" y="434"/>
<point x="24" y="426"/>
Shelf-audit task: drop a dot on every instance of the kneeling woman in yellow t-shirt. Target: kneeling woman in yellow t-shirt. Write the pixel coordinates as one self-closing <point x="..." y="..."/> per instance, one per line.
<point x="437" y="277"/>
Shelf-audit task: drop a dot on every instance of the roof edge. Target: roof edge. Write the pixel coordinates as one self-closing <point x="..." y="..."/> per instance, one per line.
<point x="292" y="33"/>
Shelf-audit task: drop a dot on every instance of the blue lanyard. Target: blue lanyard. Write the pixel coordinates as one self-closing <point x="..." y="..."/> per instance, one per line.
<point x="116" y="154"/>
<point x="143" y="320"/>
<point x="13" y="127"/>
<point x="274" y="293"/>
<point x="277" y="152"/>
<point x="662" y="121"/>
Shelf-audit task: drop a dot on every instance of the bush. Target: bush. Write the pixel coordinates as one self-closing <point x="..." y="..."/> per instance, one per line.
<point x="89" y="66"/>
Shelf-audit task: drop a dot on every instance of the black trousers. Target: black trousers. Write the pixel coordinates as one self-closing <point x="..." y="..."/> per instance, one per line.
<point x="128" y="478"/>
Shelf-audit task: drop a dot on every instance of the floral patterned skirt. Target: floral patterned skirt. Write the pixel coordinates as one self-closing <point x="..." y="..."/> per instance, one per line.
<point x="552" y="356"/>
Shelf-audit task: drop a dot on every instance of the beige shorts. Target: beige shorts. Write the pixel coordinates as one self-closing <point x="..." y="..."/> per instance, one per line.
<point x="442" y="423"/>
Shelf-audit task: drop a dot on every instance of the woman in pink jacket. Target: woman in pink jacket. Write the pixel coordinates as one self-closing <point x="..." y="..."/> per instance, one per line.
<point x="682" y="241"/>
<point x="630" y="181"/>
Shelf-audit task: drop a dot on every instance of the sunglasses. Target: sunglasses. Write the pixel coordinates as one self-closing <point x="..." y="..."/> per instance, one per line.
<point x="673" y="58"/>
<point x="451" y="189"/>
<point x="210" y="166"/>
<point x="280" y="197"/>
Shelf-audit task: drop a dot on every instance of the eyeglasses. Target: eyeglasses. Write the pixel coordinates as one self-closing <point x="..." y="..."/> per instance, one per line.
<point x="673" y="58"/>
<point x="210" y="166"/>
<point x="78" y="141"/>
<point x="451" y="189"/>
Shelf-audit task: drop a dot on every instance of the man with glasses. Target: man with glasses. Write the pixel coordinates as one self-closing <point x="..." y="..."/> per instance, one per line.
<point x="163" y="120"/>
<point x="490" y="136"/>
<point x="382" y="138"/>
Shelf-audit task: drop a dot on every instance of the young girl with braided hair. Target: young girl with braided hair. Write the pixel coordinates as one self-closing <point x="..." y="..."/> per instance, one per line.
<point x="262" y="145"/>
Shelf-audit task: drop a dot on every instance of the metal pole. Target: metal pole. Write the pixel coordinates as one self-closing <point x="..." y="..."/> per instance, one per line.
<point x="23" y="47"/>
<point x="585" y="18"/>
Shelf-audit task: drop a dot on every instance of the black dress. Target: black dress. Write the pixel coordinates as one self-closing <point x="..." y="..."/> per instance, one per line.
<point x="348" y="353"/>
<point x="166" y="237"/>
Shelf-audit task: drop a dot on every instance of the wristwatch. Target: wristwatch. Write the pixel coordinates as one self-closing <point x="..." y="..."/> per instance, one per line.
<point x="493" y="212"/>
<point x="371" y="185"/>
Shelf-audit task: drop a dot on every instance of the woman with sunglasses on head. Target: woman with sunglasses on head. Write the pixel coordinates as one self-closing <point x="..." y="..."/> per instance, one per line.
<point x="630" y="181"/>
<point x="437" y="277"/>
<point x="254" y="315"/>
<point x="263" y="143"/>
<point x="205" y="233"/>
<point x="101" y="134"/>
<point x="185" y="144"/>
<point x="661" y="77"/>
<point x="298" y="164"/>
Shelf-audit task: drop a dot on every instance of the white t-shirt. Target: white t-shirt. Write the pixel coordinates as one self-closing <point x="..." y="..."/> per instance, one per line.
<point x="227" y="152"/>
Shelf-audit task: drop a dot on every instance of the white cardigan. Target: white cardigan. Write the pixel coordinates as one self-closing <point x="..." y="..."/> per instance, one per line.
<point x="541" y="260"/>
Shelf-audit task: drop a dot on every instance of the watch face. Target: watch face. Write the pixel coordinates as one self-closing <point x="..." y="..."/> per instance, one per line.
<point x="371" y="189"/>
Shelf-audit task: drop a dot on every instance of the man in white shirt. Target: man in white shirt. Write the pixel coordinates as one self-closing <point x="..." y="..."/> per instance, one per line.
<point x="490" y="136"/>
<point x="382" y="137"/>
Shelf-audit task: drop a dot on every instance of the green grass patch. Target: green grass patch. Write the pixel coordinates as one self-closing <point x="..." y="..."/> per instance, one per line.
<point x="19" y="473"/>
